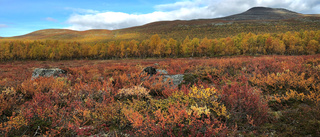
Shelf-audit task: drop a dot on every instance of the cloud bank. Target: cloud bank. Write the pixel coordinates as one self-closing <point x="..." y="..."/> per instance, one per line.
<point x="182" y="10"/>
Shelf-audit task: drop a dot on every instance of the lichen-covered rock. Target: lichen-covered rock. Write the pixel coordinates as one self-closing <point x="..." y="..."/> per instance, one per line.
<point x="162" y="72"/>
<point x="174" y="79"/>
<point x="43" y="72"/>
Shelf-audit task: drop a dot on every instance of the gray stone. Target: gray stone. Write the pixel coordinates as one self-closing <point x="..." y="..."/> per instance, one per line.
<point x="162" y="72"/>
<point x="43" y="72"/>
<point x="174" y="79"/>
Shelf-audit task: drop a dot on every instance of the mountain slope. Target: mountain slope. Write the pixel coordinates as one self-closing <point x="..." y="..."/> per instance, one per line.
<point x="264" y="13"/>
<point x="256" y="20"/>
<point x="65" y="34"/>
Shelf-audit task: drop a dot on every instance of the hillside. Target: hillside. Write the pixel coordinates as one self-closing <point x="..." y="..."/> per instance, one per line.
<point x="257" y="20"/>
<point x="65" y="34"/>
<point x="263" y="13"/>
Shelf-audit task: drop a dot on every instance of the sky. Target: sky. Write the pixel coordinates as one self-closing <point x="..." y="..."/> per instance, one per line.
<point x="19" y="17"/>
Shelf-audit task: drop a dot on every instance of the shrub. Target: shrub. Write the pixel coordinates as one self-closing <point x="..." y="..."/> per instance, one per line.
<point x="134" y="92"/>
<point x="243" y="102"/>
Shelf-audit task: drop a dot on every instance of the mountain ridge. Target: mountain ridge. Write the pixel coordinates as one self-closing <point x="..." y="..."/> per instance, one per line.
<point x="264" y="13"/>
<point x="254" y="16"/>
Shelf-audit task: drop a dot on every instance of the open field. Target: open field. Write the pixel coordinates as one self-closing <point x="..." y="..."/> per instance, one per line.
<point x="243" y="95"/>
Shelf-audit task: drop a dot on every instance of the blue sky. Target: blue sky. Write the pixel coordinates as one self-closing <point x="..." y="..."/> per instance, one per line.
<point x="18" y="17"/>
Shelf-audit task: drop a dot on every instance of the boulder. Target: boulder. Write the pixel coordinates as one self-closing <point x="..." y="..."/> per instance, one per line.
<point x="174" y="79"/>
<point x="44" y="72"/>
<point x="150" y="70"/>
<point x="162" y="72"/>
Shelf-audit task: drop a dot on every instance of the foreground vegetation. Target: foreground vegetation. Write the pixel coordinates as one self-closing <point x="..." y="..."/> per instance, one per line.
<point x="289" y="43"/>
<point x="258" y="96"/>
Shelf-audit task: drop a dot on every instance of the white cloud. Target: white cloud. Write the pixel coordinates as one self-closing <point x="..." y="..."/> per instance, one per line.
<point x="116" y="20"/>
<point x="51" y="19"/>
<point x="82" y="11"/>
<point x="183" y="10"/>
<point x="3" y="26"/>
<point x="182" y="4"/>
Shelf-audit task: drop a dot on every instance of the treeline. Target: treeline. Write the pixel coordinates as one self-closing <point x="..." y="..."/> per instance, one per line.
<point x="289" y="43"/>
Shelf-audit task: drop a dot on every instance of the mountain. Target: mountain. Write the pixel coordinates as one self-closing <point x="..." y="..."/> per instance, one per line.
<point x="264" y="13"/>
<point x="255" y="20"/>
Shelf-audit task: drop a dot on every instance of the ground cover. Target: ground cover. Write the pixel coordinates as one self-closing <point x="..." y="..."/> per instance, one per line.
<point x="227" y="96"/>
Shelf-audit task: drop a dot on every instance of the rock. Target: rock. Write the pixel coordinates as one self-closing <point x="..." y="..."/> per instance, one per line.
<point x="43" y="72"/>
<point x="150" y="70"/>
<point x="174" y="79"/>
<point x="162" y="72"/>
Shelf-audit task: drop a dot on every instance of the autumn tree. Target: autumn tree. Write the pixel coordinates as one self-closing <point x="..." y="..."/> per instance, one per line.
<point x="194" y="46"/>
<point x="84" y="50"/>
<point x="230" y="49"/>
<point x="186" y="46"/>
<point x="133" y="47"/>
<point x="5" y="51"/>
<point x="144" y="49"/>
<point x="170" y="47"/>
<point x="212" y="47"/>
<point x="161" y="48"/>
<point x="111" y="49"/>
<point x="244" y="47"/>
<point x="312" y="47"/>
<point x="278" y="46"/>
<point x="155" y="42"/>
<point x="17" y="50"/>
<point x="94" y="50"/>
<point x="204" y="47"/>
<point x="268" y="45"/>
<point x="220" y="47"/>
<point x="37" y="51"/>
<point x="261" y="40"/>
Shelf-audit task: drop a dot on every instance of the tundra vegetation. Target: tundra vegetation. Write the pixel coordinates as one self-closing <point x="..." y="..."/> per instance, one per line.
<point x="269" y="95"/>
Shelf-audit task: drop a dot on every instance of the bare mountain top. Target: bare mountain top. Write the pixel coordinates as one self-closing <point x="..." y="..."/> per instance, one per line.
<point x="264" y="13"/>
